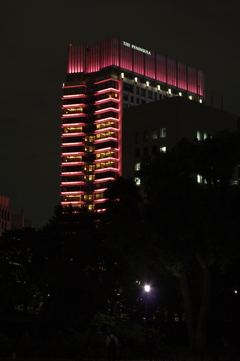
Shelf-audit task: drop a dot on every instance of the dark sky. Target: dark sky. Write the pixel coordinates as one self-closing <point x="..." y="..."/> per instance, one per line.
<point x="34" y="39"/>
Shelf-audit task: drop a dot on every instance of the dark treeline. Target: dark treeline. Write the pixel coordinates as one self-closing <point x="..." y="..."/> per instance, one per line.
<point x="65" y="286"/>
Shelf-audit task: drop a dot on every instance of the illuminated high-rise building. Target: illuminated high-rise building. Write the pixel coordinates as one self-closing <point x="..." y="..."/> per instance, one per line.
<point x="102" y="80"/>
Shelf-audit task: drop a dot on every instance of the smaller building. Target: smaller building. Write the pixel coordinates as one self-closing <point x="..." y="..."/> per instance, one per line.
<point x="158" y="126"/>
<point x="19" y="221"/>
<point x="5" y="214"/>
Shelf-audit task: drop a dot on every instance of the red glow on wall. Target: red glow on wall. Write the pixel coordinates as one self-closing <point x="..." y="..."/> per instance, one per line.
<point x="112" y="51"/>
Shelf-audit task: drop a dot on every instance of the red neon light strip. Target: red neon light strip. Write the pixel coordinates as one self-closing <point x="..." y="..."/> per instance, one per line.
<point x="74" y="202"/>
<point x="75" y="115"/>
<point x="103" y="81"/>
<point x="107" y="90"/>
<point x="103" y="180"/>
<point x="100" y="200"/>
<point x="72" y="183"/>
<point x="82" y="105"/>
<point x="109" y="169"/>
<point x="72" y="193"/>
<point x="71" y="173"/>
<point x="73" y="96"/>
<point x="66" y="164"/>
<point x="103" y="130"/>
<point x="69" y="135"/>
<point x="73" y="125"/>
<point x="100" y="190"/>
<point x="108" y="119"/>
<point x="101" y="210"/>
<point x="105" y="140"/>
<point x="71" y="144"/>
<point x="106" y="100"/>
<point x="105" y="110"/>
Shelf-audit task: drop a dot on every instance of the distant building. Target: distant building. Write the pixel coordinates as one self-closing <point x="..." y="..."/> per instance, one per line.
<point x="5" y="214"/>
<point x="102" y="81"/>
<point x="19" y="221"/>
<point x="158" y="126"/>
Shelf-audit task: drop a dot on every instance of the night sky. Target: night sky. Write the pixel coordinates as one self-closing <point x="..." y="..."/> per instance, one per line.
<point x="34" y="39"/>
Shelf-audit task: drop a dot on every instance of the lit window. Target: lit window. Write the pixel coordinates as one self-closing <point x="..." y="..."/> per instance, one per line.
<point x="122" y="75"/>
<point x="180" y="94"/>
<point x="199" y="178"/>
<point x="163" y="149"/>
<point x="200" y="100"/>
<point x="137" y="181"/>
<point x="147" y="82"/>
<point x="199" y="135"/>
<point x="163" y="133"/>
<point x="190" y="97"/>
<point x="158" y="87"/>
<point x="204" y="135"/>
<point x="169" y="91"/>
<point x="137" y="166"/>
<point x="136" y="79"/>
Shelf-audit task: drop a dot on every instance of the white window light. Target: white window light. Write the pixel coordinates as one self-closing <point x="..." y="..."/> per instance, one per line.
<point x="169" y="91"/>
<point x="136" y="79"/>
<point x="204" y="135"/>
<point x="63" y="84"/>
<point x="158" y="87"/>
<point x="190" y="97"/>
<point x="200" y="100"/>
<point x="137" y="166"/>
<point x="180" y="94"/>
<point x="163" y="133"/>
<point x="163" y="149"/>
<point x="147" y="82"/>
<point x="199" y="135"/>
<point x="199" y="178"/>
<point x="122" y="75"/>
<point x="137" y="181"/>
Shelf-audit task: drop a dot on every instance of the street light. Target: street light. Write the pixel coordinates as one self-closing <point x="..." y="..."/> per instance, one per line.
<point x="147" y="288"/>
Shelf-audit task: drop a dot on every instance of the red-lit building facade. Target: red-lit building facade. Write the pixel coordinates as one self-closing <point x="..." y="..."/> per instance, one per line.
<point x="102" y="80"/>
<point x="5" y="214"/>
